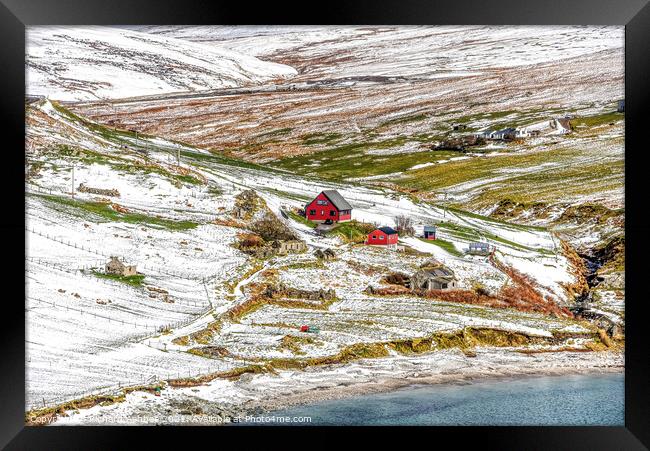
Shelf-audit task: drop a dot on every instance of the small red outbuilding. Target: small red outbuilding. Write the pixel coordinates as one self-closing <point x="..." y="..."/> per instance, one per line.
<point x="383" y="236"/>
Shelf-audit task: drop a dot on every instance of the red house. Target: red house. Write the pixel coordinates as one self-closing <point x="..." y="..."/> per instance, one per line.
<point x="383" y="236"/>
<point x="328" y="205"/>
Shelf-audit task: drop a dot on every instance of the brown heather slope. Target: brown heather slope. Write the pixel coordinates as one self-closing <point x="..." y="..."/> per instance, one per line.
<point x="257" y="125"/>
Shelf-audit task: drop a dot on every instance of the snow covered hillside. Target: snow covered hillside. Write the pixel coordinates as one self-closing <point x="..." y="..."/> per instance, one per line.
<point x="415" y="51"/>
<point x="189" y="154"/>
<point x="173" y="222"/>
<point x="90" y="63"/>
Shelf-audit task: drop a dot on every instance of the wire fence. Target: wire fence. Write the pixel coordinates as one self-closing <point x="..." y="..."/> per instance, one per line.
<point x="43" y="402"/>
<point x="149" y="329"/>
<point x="210" y="216"/>
<point x="157" y="270"/>
<point x="125" y="378"/>
<point x="86" y="271"/>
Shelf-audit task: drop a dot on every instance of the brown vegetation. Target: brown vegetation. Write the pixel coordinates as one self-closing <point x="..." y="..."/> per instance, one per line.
<point x="397" y="278"/>
<point x="404" y="225"/>
<point x="270" y="228"/>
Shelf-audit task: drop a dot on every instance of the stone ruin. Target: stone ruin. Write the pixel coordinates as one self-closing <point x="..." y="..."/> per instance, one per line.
<point x="280" y="290"/>
<point x="116" y="267"/>
<point x="327" y="254"/>
<point x="276" y="247"/>
<point x="102" y="192"/>
<point x="283" y="247"/>
<point x="246" y="203"/>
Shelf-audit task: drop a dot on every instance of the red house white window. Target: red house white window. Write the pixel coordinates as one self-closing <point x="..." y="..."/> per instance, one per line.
<point x="384" y="236"/>
<point x="329" y="205"/>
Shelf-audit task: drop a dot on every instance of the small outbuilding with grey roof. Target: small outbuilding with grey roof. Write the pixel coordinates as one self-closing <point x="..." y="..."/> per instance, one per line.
<point x="429" y="232"/>
<point x="433" y="275"/>
<point x="480" y="249"/>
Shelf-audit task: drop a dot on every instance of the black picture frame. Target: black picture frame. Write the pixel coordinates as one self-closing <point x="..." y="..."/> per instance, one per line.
<point x="15" y="15"/>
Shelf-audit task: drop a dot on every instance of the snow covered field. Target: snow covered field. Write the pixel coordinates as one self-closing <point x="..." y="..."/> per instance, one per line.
<point x="120" y="325"/>
<point x="169" y="193"/>
<point x="88" y="63"/>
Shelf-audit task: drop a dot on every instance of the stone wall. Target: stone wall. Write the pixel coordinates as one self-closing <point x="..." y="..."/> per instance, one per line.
<point x="102" y="192"/>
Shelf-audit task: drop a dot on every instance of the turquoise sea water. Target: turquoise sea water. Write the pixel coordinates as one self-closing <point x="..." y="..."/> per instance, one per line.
<point x="549" y="400"/>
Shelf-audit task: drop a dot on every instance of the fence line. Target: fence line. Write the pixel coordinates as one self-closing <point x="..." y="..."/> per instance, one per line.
<point x="152" y="327"/>
<point x="212" y="216"/>
<point x="82" y="271"/>
<point x="185" y="276"/>
<point x="156" y="375"/>
<point x="111" y="390"/>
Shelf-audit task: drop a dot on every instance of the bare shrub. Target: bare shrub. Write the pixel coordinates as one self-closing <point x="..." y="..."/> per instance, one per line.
<point x="250" y="240"/>
<point x="270" y="228"/>
<point x="404" y="225"/>
<point x="397" y="278"/>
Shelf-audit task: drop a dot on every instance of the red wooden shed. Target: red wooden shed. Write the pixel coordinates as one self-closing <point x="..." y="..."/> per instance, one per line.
<point x="383" y="236"/>
<point x="329" y="204"/>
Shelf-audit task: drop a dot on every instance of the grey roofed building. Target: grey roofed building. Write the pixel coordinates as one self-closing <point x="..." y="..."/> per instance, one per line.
<point x="388" y="230"/>
<point x="440" y="272"/>
<point x="438" y="278"/>
<point x="430" y="232"/>
<point x="478" y="248"/>
<point x="338" y="200"/>
<point x="505" y="132"/>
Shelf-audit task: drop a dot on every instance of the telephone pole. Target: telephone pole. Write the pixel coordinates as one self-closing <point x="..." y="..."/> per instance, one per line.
<point x="444" y="207"/>
<point x="73" y="181"/>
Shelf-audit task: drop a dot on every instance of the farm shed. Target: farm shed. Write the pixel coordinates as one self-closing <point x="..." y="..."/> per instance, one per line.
<point x="383" y="236"/>
<point x="329" y="204"/>
<point x="561" y="125"/>
<point x="429" y="232"/>
<point x="433" y="277"/>
<point x="283" y="247"/>
<point x="327" y="254"/>
<point x="115" y="266"/>
<point x="621" y="106"/>
<point x="479" y="249"/>
<point x="505" y="134"/>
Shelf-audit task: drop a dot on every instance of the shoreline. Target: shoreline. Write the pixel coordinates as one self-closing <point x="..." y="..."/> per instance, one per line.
<point x="346" y="391"/>
<point x="223" y="402"/>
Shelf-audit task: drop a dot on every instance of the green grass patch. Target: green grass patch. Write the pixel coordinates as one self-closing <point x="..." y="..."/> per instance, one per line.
<point x="214" y="157"/>
<point x="111" y="134"/>
<point x="446" y="245"/>
<point x="405" y="119"/>
<point x="352" y="160"/>
<point x="578" y="171"/>
<point x="352" y="231"/>
<point x="598" y="119"/>
<point x="470" y="234"/>
<point x="134" y="280"/>
<point x="511" y="225"/>
<point x="313" y="139"/>
<point x="301" y="219"/>
<point x="288" y="195"/>
<point x="104" y="211"/>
